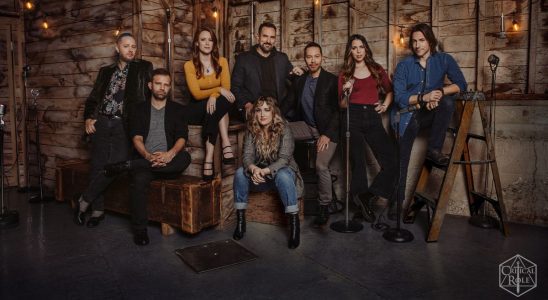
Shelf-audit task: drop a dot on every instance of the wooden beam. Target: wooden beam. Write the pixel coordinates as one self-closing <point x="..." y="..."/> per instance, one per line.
<point x="480" y="43"/>
<point x="534" y="8"/>
<point x="352" y="17"/>
<point x="138" y="26"/>
<point x="318" y="22"/>
<point x="434" y="17"/>
<point x="284" y="40"/>
<point x="391" y="46"/>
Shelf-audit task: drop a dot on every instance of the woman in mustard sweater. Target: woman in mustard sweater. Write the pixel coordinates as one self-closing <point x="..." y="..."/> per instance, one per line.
<point x="208" y="79"/>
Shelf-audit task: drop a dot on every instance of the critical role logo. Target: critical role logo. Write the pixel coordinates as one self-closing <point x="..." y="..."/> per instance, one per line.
<point x="518" y="275"/>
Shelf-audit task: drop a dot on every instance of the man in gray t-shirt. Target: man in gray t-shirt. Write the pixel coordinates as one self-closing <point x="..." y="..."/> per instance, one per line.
<point x="159" y="131"/>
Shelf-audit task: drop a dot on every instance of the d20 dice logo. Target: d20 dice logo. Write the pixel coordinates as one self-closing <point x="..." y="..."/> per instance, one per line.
<point x="518" y="275"/>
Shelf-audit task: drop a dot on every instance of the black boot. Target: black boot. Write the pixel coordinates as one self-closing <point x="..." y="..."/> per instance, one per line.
<point x="294" y="231"/>
<point x="117" y="168"/>
<point x="323" y="215"/>
<point x="240" y="224"/>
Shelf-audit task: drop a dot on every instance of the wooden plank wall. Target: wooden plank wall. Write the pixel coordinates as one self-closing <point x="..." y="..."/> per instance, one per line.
<point x="66" y="58"/>
<point x="540" y="36"/>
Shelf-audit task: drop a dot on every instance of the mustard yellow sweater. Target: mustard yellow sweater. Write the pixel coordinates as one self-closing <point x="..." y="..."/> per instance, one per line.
<point x="208" y="85"/>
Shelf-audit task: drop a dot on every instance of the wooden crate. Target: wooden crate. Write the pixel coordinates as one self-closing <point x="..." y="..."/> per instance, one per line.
<point x="266" y="207"/>
<point x="186" y="202"/>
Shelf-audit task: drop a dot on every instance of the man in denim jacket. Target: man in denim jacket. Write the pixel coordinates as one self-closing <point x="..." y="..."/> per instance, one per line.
<point x="423" y="98"/>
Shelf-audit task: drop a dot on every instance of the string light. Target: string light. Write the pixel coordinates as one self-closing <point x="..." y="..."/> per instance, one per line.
<point x="317" y="2"/>
<point x="402" y="39"/>
<point x="29" y="5"/>
<point x="215" y="12"/>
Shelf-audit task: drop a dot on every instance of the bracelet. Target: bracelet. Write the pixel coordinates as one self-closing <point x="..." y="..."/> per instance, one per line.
<point x="420" y="99"/>
<point x="442" y="92"/>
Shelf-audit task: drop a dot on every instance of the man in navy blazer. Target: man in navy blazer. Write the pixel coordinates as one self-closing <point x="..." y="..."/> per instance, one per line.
<point x="316" y="106"/>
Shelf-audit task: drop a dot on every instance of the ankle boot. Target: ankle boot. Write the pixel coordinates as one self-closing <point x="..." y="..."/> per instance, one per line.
<point x="323" y="215"/>
<point x="240" y="224"/>
<point x="294" y="231"/>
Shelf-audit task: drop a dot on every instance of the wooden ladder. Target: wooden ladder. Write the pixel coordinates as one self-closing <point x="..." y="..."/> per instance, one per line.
<point x="460" y="155"/>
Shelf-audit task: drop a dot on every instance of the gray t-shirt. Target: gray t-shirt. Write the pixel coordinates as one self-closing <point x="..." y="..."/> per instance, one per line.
<point x="156" y="139"/>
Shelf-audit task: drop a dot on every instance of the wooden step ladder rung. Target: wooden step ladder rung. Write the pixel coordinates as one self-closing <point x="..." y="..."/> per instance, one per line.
<point x="460" y="156"/>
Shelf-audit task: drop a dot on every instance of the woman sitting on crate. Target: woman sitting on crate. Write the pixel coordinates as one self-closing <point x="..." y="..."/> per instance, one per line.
<point x="267" y="164"/>
<point x="208" y="79"/>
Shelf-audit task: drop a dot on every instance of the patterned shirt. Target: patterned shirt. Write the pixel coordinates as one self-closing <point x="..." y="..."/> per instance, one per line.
<point x="114" y="97"/>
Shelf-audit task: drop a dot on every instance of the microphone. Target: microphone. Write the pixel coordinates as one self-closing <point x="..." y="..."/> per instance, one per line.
<point x="493" y="60"/>
<point x="35" y="92"/>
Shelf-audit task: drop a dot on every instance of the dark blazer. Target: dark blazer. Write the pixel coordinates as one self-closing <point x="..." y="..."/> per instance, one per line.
<point x="175" y="123"/>
<point x="137" y="90"/>
<point x="246" y="77"/>
<point x="326" y="107"/>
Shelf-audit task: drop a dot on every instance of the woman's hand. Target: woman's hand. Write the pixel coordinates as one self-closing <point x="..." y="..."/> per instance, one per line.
<point x="380" y="108"/>
<point x="348" y="86"/>
<point x="211" y="105"/>
<point x="257" y="176"/>
<point x="228" y="95"/>
<point x="297" y="71"/>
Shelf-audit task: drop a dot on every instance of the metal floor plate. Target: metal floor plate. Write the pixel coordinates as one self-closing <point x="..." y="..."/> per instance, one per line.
<point x="215" y="255"/>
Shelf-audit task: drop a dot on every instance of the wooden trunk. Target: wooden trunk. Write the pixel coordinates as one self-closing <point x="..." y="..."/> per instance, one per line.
<point x="266" y="207"/>
<point x="186" y="202"/>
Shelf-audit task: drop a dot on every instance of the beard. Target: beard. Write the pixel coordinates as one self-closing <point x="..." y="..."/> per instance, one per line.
<point x="160" y="97"/>
<point x="264" y="49"/>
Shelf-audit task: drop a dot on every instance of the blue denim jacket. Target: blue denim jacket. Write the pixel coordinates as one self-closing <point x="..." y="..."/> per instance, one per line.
<point x="408" y="81"/>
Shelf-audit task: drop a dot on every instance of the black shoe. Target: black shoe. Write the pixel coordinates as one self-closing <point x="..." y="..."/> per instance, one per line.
<point x="240" y="224"/>
<point x="294" y="231"/>
<point x="117" y="168"/>
<point x="323" y="215"/>
<point x="228" y="160"/>
<point x="392" y="211"/>
<point x="211" y="176"/>
<point x="363" y="203"/>
<point x="140" y="237"/>
<point x="437" y="157"/>
<point x="79" y="216"/>
<point x="94" y="221"/>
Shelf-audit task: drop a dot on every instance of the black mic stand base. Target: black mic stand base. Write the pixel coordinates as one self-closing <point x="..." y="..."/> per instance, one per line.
<point x="398" y="235"/>
<point x="346" y="226"/>
<point x="38" y="199"/>
<point x="483" y="221"/>
<point x="9" y="219"/>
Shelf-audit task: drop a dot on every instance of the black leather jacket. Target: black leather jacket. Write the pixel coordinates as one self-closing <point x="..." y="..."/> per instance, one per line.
<point x="137" y="90"/>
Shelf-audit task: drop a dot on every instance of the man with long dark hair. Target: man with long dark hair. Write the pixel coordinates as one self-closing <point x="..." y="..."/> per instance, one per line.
<point x="118" y="87"/>
<point x="423" y="98"/>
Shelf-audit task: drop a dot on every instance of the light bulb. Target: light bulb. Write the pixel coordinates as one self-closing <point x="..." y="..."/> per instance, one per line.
<point x="402" y="40"/>
<point x="29" y="5"/>
<point x="317" y="2"/>
<point x="45" y="24"/>
<point x="117" y="32"/>
<point x="215" y="12"/>
<point x="515" y="25"/>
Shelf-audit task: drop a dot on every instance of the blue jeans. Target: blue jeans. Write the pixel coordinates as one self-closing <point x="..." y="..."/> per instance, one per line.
<point x="284" y="182"/>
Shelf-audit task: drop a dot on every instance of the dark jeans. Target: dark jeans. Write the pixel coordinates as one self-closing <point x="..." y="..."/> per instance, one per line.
<point x="438" y="120"/>
<point x="109" y="144"/>
<point x="141" y="176"/>
<point x="366" y="127"/>
<point x="197" y="115"/>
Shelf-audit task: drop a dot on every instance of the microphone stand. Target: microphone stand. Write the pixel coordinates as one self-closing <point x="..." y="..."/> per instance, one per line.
<point x="40" y="197"/>
<point x="347" y="225"/>
<point x="8" y="218"/>
<point x="398" y="234"/>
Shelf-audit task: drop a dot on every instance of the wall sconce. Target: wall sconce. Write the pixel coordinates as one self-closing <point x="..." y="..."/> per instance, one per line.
<point x="515" y="24"/>
<point x="45" y="23"/>
<point x="215" y="12"/>
<point x="29" y="5"/>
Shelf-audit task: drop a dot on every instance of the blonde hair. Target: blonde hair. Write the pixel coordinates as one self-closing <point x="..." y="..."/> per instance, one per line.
<point x="267" y="141"/>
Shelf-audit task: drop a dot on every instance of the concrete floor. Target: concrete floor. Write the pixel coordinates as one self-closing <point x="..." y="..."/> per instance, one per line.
<point x="48" y="257"/>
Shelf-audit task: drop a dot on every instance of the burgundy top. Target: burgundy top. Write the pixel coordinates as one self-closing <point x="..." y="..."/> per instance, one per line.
<point x="364" y="91"/>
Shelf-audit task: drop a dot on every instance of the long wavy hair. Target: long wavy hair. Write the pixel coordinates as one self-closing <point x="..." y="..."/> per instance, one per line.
<point x="214" y="54"/>
<point x="266" y="141"/>
<point x="426" y="30"/>
<point x="349" y="65"/>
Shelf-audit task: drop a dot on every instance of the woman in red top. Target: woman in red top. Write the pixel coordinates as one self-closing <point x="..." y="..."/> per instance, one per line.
<point x="365" y="81"/>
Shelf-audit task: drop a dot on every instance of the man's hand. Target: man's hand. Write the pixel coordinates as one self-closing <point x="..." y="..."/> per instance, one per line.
<point x="248" y="106"/>
<point x="323" y="143"/>
<point x="161" y="159"/>
<point x="297" y="71"/>
<point x="90" y="126"/>
<point x="228" y="95"/>
<point x="211" y="105"/>
<point x="432" y="99"/>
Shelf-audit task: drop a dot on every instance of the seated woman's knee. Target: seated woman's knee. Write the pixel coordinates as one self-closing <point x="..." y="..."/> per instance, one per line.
<point x="284" y="176"/>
